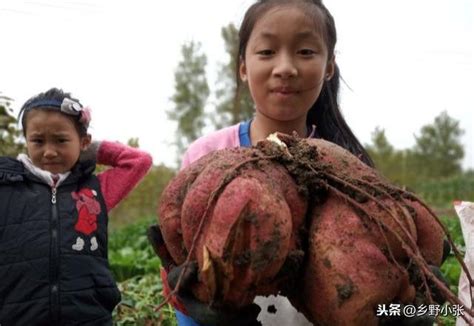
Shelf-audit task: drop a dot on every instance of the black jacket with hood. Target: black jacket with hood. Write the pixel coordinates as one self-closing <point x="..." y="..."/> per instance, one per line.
<point x="44" y="278"/>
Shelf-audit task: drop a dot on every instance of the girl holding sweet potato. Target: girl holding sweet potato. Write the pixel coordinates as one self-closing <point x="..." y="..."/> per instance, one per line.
<point x="286" y="57"/>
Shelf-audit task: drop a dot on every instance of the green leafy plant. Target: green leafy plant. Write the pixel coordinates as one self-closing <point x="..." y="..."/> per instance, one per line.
<point x="130" y="254"/>
<point x="451" y="268"/>
<point x="140" y="297"/>
<point x="137" y="269"/>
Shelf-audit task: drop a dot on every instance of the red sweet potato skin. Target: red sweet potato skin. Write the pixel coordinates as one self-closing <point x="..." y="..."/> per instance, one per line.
<point x="355" y="262"/>
<point x="422" y="225"/>
<point x="247" y="241"/>
<point x="252" y="217"/>
<point x="341" y="162"/>
<point x="430" y="234"/>
<point x="170" y="206"/>
<point x="347" y="274"/>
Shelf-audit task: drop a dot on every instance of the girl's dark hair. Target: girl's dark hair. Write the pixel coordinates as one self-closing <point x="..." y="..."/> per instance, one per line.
<point x="325" y="112"/>
<point x="54" y="96"/>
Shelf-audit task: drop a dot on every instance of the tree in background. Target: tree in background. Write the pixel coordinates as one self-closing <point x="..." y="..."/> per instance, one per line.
<point x="233" y="105"/>
<point x="396" y="165"/>
<point x="438" y="150"/>
<point x="381" y="151"/>
<point x="191" y="93"/>
<point x="10" y="135"/>
<point x="436" y="154"/>
<point x="383" y="154"/>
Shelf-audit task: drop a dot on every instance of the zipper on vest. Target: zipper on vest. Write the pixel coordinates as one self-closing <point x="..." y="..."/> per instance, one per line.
<point x="53" y="195"/>
<point x="54" y="267"/>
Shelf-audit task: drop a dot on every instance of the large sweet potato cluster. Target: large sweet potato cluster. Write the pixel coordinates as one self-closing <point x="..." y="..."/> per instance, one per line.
<point x="306" y="218"/>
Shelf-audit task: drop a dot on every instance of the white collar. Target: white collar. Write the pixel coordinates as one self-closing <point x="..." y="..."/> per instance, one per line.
<point x="45" y="176"/>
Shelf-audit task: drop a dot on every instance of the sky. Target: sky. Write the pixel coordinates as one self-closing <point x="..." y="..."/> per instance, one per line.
<point x="403" y="62"/>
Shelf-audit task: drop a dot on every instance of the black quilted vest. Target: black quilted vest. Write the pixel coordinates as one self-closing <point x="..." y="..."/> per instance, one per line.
<point x="46" y="276"/>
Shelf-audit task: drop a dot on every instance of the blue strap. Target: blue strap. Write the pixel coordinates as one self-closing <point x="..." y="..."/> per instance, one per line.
<point x="184" y="320"/>
<point x="244" y="134"/>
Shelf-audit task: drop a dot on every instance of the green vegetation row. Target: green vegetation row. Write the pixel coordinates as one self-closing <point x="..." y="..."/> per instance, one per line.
<point x="137" y="271"/>
<point x="442" y="192"/>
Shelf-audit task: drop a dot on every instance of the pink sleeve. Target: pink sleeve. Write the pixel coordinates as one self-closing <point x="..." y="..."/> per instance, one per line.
<point x="128" y="166"/>
<point x="220" y="139"/>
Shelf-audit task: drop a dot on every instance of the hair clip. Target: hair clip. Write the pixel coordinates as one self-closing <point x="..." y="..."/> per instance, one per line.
<point x="72" y="107"/>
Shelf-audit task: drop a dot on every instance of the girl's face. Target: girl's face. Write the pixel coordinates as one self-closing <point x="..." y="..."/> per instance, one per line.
<point x="52" y="141"/>
<point x="286" y="63"/>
